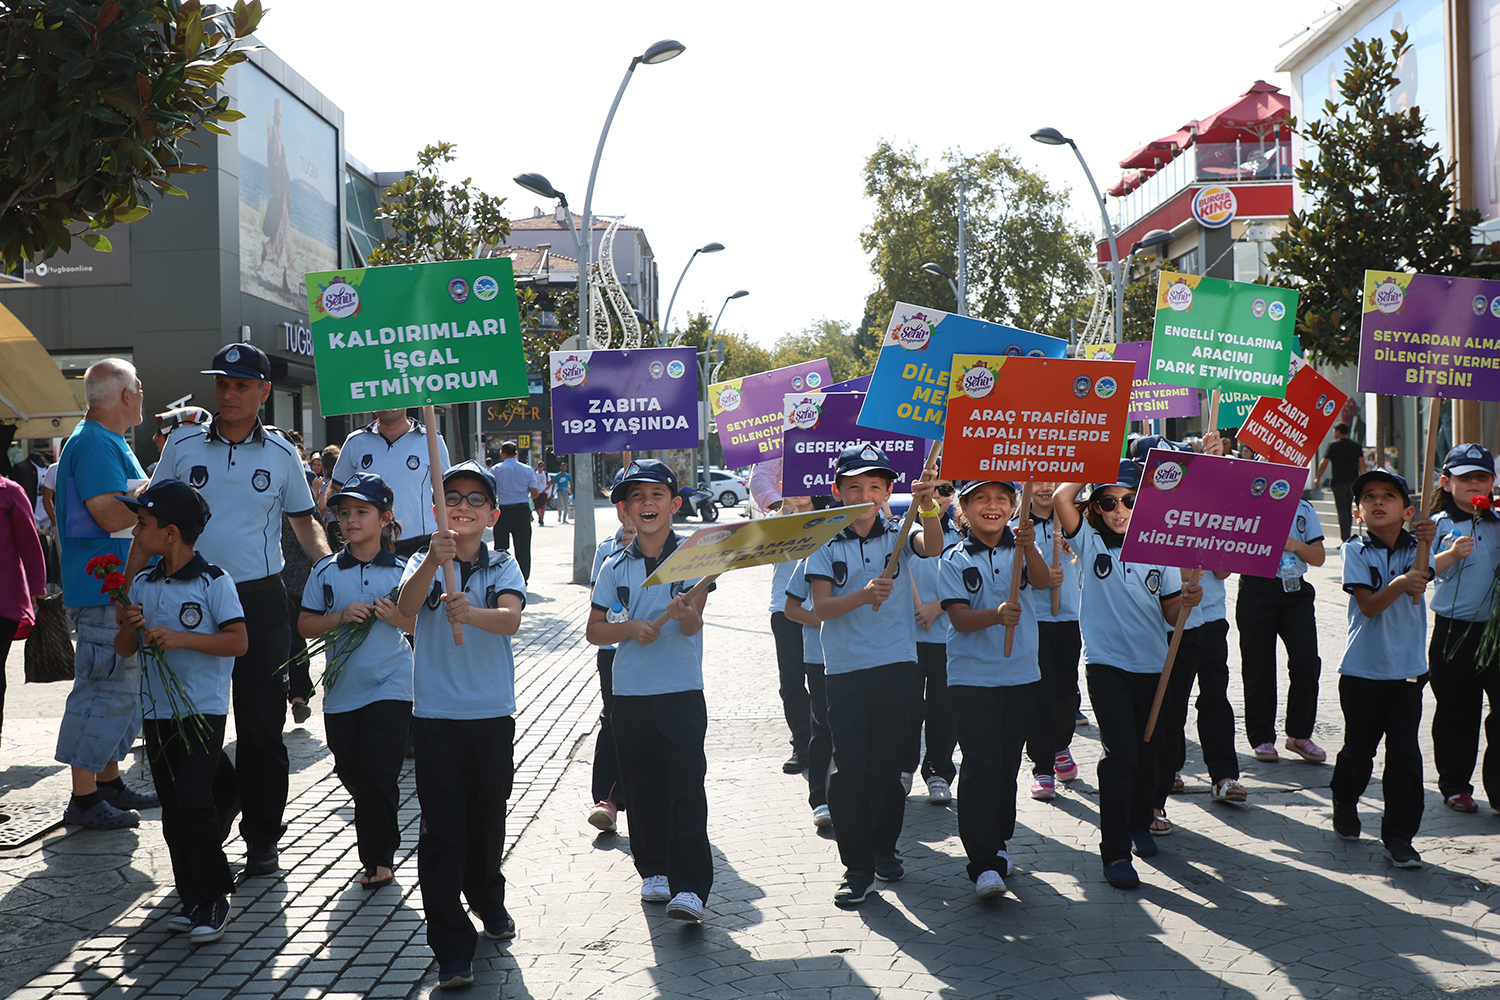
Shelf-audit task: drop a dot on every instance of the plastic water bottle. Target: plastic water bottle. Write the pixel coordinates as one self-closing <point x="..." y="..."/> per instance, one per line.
<point x="1288" y="573"/>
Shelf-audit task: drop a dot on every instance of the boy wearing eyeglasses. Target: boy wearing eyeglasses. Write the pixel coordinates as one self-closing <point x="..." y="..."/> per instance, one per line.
<point x="463" y="720"/>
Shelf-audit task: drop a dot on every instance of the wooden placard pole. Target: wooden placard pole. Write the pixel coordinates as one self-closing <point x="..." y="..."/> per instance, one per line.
<point x="687" y="595"/>
<point x="1424" y="474"/>
<point x="911" y="515"/>
<point x="1018" y="563"/>
<point x="1166" y="671"/>
<point x="1056" y="561"/>
<point x="440" y="506"/>
<point x="1213" y="411"/>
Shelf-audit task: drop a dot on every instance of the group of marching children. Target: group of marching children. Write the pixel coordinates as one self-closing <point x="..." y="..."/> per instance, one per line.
<point x="460" y="703"/>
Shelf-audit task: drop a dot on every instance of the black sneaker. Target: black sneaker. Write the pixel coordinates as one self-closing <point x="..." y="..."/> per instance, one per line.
<point x="212" y="918"/>
<point x="1345" y="822"/>
<point x="1121" y="874"/>
<point x="888" y="868"/>
<point x="853" y="889"/>
<point x="795" y="764"/>
<point x="455" y="972"/>
<point x="183" y="920"/>
<point x="501" y="927"/>
<point x="262" y="860"/>
<point x="1403" y="855"/>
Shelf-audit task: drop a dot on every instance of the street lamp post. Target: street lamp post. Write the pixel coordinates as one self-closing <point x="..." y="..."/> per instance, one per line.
<point x="934" y="269"/>
<point x="963" y="249"/>
<point x="584" y="536"/>
<point x="1052" y="137"/>
<point x="664" y="332"/>
<point x="707" y="355"/>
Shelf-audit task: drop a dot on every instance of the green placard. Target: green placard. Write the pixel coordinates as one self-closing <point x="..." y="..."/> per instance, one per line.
<point x="1216" y="334"/>
<point x="386" y="338"/>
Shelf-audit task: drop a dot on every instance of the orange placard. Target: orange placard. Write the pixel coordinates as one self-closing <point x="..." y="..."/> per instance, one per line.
<point x="1028" y="419"/>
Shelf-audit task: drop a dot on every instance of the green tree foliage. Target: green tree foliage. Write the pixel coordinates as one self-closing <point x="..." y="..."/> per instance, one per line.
<point x="431" y="219"/>
<point x="1140" y="297"/>
<point x="825" y="338"/>
<point x="1026" y="262"/>
<point x="741" y="356"/>
<point x="97" y="101"/>
<point x="1379" y="198"/>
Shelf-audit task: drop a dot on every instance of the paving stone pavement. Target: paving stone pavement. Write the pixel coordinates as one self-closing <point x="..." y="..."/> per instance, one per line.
<point x="1261" y="901"/>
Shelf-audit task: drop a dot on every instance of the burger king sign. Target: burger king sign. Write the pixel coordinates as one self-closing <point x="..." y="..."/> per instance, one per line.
<point x="1214" y="207"/>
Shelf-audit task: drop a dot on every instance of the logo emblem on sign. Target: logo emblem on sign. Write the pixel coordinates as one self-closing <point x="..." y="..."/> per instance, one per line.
<point x="806" y="413"/>
<point x="1081" y="386"/>
<point x="1276" y="310"/>
<point x="796" y="383"/>
<point x="675" y="369"/>
<point x="1106" y="387"/>
<point x="814" y="380"/>
<point x="1495" y="306"/>
<point x="458" y="288"/>
<point x="1013" y="351"/>
<point x="486" y="288"/>
<point x="572" y="371"/>
<point x="714" y="537"/>
<point x="1328" y="408"/>
<point x="1480" y="305"/>
<point x="340" y="299"/>
<point x="190" y="615"/>
<point x="656" y="369"/>
<point x="261" y="480"/>
<point x="1280" y="489"/>
<point x="1168" y="476"/>
<point x="198" y="476"/>
<point x="1388" y="296"/>
<point x="979" y="381"/>
<point x="1214" y="207"/>
<point x="413" y="462"/>
<point x="809" y="525"/>
<point x="1258" y="486"/>
<point x="1180" y="296"/>
<point x="913" y="333"/>
<point x="729" y="399"/>
<point x="1258" y="308"/>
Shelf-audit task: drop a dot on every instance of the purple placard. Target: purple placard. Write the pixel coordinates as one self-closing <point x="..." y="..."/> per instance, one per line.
<point x="1149" y="401"/>
<point x="1426" y="335"/>
<point x="1217" y="514"/>
<point x="747" y="411"/>
<point x="638" y="400"/>
<point x="812" y="448"/>
<point x="861" y="384"/>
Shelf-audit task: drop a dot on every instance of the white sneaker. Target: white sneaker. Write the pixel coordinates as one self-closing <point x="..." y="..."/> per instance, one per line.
<point x="988" y="885"/>
<point x="686" y="906"/>
<point x="655" y="889"/>
<point x="906" y="781"/>
<point x="938" y="792"/>
<point x="822" y="817"/>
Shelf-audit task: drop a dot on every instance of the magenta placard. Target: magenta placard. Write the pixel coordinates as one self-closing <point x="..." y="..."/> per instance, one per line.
<point x="1217" y="514"/>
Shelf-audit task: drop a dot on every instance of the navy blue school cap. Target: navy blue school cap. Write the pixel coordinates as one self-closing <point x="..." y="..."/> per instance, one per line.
<point x="1467" y="458"/>
<point x="966" y="486"/>
<point x="1380" y="476"/>
<point x="172" y="501"/>
<point x="862" y="458"/>
<point x="369" y="487"/>
<point x="471" y="468"/>
<point x="1129" y="476"/>
<point x="643" y="470"/>
<point x="1144" y="445"/>
<point x="241" y="361"/>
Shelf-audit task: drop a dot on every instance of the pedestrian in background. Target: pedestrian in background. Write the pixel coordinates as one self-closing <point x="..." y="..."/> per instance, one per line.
<point x="23" y="573"/>
<point x="515" y="488"/>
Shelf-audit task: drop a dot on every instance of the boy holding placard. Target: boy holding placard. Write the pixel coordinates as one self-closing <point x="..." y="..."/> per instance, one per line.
<point x="1384" y="666"/>
<point x="660" y="718"/>
<point x="870" y="645"/>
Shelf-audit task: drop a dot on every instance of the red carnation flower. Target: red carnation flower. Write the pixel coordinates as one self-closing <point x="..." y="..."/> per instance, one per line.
<point x="1479" y="503"/>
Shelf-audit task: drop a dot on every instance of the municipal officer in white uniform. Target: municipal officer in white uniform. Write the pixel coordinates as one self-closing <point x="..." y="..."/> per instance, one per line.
<point x="250" y="478"/>
<point x="394" y="447"/>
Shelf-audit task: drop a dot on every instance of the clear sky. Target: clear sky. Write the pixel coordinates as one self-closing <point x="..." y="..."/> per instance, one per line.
<point x="756" y="135"/>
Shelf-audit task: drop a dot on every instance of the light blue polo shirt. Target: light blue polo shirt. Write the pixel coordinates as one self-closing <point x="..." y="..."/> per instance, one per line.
<point x="864" y="637"/>
<point x="198" y="598"/>
<point x="972" y="573"/>
<point x="1465" y="591"/>
<point x="812" y="635"/>
<point x="1392" y="646"/>
<point x="925" y="573"/>
<point x="514" y="481"/>
<point x="1211" y="608"/>
<point x="607" y="548"/>
<point x="405" y="467"/>
<point x="248" y="486"/>
<point x="781" y="578"/>
<point x="1070" y="594"/>
<point x="1306" y="527"/>
<point x="478" y="679"/>
<point x="95" y="460"/>
<point x="380" y="667"/>
<point x="1121" y="615"/>
<point x="674" y="662"/>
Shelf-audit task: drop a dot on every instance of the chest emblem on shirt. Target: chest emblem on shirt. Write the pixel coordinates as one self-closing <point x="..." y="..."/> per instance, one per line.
<point x="1301" y="523"/>
<point x="412" y="462"/>
<point x="840" y="573"/>
<point x="261" y="480"/>
<point x="198" y="476"/>
<point x="1153" y="580"/>
<point x="1375" y="580"/>
<point x="1103" y="565"/>
<point x="364" y="463"/>
<point x="190" y="615"/>
<point x="973" y="579"/>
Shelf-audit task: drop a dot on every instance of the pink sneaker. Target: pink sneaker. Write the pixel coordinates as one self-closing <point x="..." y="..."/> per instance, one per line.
<point x="602" y="816"/>
<point x="1065" y="766"/>
<point x="1267" y="752"/>
<point x="1461" y="802"/>
<point x="1043" y="787"/>
<point x="1307" y="750"/>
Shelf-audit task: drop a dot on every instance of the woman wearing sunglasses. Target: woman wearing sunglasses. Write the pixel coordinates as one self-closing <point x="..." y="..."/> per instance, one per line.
<point x="1124" y="647"/>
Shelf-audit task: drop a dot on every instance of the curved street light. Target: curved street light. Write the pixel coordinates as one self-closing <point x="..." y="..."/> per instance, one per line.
<point x="1052" y="137"/>
<point x="707" y="353"/>
<point x="665" y="329"/>
<point x="936" y="271"/>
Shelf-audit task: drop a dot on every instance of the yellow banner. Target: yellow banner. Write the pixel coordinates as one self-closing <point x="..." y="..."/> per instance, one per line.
<point x="720" y="548"/>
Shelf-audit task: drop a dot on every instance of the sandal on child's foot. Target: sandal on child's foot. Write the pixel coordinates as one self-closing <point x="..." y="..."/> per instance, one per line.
<point x="1229" y="790"/>
<point x="372" y="878"/>
<point x="1160" y="825"/>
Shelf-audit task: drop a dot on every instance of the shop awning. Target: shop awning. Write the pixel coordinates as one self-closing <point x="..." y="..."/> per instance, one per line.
<point x="1259" y="113"/>
<point x="1159" y="151"/>
<point x="1129" y="182"/>
<point x="33" y="393"/>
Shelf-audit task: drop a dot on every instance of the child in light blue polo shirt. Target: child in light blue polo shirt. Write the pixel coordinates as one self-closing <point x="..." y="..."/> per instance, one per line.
<point x="932" y="709"/>
<point x="190" y="612"/>
<point x="869" y="634"/>
<point x="607" y="791"/>
<point x="367" y="711"/>
<point x="993" y="695"/>
<point x="1384" y="669"/>
<point x="463" y="719"/>
<point x="820" y="741"/>
<point x="660" y="718"/>
<point x="1059" y="644"/>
